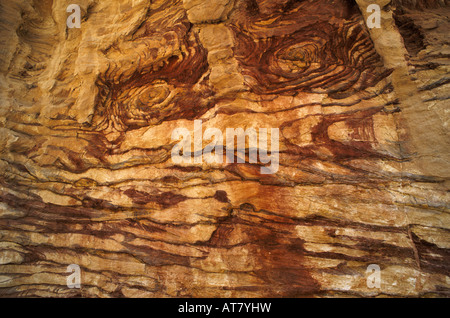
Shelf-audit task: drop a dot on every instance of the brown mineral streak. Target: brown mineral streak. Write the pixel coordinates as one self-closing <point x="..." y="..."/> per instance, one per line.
<point x="87" y="178"/>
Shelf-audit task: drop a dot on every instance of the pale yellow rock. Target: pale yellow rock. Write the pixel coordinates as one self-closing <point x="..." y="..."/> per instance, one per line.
<point x="202" y="11"/>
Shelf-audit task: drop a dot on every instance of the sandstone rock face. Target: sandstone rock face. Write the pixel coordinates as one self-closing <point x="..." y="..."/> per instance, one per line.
<point x="88" y="176"/>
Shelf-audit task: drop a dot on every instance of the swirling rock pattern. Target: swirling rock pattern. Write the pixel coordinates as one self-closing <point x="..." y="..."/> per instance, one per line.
<point x="87" y="176"/>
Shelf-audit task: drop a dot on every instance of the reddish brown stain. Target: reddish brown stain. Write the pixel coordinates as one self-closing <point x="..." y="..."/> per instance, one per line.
<point x="280" y="260"/>
<point x="164" y="199"/>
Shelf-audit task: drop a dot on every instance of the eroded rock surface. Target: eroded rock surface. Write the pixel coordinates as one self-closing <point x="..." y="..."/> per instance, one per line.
<point x="87" y="176"/>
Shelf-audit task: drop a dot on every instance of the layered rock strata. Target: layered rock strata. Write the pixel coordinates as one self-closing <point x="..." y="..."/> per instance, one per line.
<point x="87" y="176"/>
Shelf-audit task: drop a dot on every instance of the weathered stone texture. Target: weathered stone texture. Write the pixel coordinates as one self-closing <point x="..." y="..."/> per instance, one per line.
<point x="86" y="175"/>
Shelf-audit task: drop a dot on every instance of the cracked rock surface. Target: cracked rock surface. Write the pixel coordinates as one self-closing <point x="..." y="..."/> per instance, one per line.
<point x="87" y="178"/>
